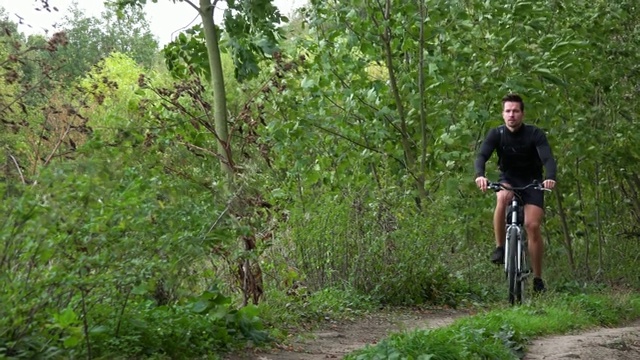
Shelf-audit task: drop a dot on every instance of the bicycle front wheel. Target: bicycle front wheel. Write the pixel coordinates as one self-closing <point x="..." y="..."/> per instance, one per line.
<point x="515" y="290"/>
<point x="522" y="272"/>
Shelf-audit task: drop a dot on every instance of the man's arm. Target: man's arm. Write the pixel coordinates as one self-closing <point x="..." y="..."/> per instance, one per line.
<point x="489" y="144"/>
<point x="546" y="155"/>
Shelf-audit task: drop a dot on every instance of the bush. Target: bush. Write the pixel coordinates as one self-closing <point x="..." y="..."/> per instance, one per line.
<point x="388" y="250"/>
<point x="100" y="259"/>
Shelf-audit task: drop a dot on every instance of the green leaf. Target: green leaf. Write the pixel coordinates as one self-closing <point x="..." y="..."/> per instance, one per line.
<point x="446" y="138"/>
<point x="141" y="289"/>
<point x="433" y="68"/>
<point x="98" y="329"/>
<point x="200" y="306"/>
<point x="71" y="341"/>
<point x="307" y="83"/>
<point x="67" y="318"/>
<point x="219" y="312"/>
<point x="509" y="43"/>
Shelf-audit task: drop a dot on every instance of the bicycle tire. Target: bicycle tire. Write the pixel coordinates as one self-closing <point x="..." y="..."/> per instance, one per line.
<point x="512" y="266"/>
<point x="520" y="280"/>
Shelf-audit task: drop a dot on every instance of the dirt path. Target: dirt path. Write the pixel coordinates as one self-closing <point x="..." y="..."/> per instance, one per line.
<point x="617" y="343"/>
<point x="338" y="339"/>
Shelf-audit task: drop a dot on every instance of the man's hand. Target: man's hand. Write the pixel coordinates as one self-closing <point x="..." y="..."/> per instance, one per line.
<point x="482" y="183"/>
<point x="549" y="184"/>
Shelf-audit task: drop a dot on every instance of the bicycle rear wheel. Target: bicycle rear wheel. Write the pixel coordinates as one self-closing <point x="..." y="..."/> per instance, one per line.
<point x="515" y="289"/>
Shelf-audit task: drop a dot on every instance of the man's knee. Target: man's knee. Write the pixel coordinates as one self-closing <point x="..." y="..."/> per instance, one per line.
<point x="502" y="201"/>
<point x="532" y="225"/>
<point x="533" y="218"/>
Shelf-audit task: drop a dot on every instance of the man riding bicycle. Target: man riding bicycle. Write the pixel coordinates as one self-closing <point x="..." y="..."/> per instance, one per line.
<point x="522" y="150"/>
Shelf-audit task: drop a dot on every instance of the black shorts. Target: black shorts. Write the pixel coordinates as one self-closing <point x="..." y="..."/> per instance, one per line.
<point x="530" y="196"/>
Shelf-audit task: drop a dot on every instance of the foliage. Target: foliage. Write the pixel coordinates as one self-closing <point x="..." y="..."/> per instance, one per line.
<point x="187" y="54"/>
<point x="354" y="141"/>
<point x="372" y="244"/>
<point x="206" y="324"/>
<point x="350" y="157"/>
<point x="248" y="33"/>
<point x="113" y="84"/>
<point x="43" y="125"/>
<point x="299" y="305"/>
<point x="504" y="333"/>
<point x="103" y="260"/>
<point x="93" y="38"/>
<point x="251" y="31"/>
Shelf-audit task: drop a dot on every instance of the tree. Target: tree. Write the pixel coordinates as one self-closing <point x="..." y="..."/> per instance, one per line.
<point x="250" y="31"/>
<point x="93" y="38"/>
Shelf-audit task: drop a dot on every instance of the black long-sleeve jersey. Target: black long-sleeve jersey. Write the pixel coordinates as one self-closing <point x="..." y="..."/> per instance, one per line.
<point x="521" y="154"/>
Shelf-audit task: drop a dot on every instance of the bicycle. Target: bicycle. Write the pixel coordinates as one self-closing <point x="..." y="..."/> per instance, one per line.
<point x="515" y="250"/>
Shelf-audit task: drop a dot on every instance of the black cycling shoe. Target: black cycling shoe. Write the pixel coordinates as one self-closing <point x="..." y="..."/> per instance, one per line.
<point x="498" y="255"/>
<point x="538" y="285"/>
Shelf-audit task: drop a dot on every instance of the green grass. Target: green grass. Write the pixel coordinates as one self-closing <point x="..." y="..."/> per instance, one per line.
<point x="283" y="310"/>
<point x="503" y="333"/>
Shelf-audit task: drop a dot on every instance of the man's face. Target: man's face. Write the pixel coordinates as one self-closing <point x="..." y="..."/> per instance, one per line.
<point x="512" y="115"/>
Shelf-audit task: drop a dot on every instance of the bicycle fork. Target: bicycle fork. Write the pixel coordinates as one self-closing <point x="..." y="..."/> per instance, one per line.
<point x="521" y="268"/>
<point x="519" y="248"/>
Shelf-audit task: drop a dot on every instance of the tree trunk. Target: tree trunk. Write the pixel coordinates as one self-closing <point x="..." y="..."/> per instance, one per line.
<point x="250" y="273"/>
<point x="409" y="151"/>
<point x="587" y="234"/>
<point x="598" y="220"/>
<point x="423" y="110"/>
<point x="634" y="186"/>
<point x="219" y="94"/>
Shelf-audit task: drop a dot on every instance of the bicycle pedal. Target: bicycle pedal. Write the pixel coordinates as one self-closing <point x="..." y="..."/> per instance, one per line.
<point x="524" y="275"/>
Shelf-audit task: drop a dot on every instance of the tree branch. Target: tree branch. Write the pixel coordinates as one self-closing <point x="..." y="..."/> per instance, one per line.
<point x="222" y="214"/>
<point x="357" y="143"/>
<point x="55" y="148"/>
<point x="192" y="147"/>
<point x="195" y="6"/>
<point x="18" y="167"/>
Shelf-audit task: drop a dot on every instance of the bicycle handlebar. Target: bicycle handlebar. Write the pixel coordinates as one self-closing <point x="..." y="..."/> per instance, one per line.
<point x="500" y="186"/>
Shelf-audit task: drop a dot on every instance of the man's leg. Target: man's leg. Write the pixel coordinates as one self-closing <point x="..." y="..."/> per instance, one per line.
<point x="532" y="220"/>
<point x="502" y="200"/>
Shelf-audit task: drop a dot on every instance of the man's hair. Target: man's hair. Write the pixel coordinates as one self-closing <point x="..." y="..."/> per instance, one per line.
<point x="513" y="98"/>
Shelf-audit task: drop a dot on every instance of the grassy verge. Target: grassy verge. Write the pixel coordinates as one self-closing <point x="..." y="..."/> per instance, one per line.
<point x="306" y="309"/>
<point x="503" y="333"/>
